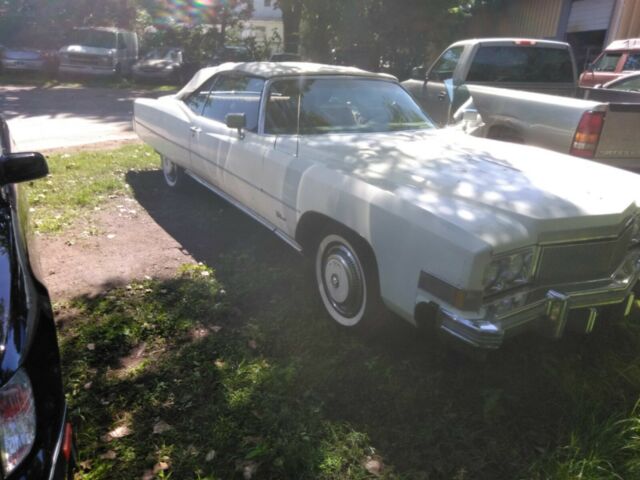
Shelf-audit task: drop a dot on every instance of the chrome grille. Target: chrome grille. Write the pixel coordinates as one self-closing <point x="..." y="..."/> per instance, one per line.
<point x="581" y="262"/>
<point x="83" y="59"/>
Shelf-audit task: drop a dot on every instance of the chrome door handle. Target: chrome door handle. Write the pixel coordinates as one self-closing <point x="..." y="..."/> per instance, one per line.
<point x="442" y="95"/>
<point x="195" y="129"/>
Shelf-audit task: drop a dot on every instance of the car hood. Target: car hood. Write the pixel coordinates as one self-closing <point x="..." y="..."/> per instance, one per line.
<point x="155" y="63"/>
<point x="503" y="193"/>
<point x="87" y="50"/>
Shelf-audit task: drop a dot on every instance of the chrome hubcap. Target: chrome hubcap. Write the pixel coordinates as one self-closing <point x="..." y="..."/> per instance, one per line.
<point x="170" y="170"/>
<point x="343" y="282"/>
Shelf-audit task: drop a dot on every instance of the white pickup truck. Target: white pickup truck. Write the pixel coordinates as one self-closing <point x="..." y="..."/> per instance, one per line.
<point x="524" y="91"/>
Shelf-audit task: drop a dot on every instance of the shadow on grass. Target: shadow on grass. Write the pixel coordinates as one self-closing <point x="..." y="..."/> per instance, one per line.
<point x="282" y="389"/>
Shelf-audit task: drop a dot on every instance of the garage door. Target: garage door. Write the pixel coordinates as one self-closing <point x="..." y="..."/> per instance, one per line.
<point x="587" y="15"/>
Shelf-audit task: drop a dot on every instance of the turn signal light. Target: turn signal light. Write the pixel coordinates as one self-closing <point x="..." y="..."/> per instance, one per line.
<point x="587" y="137"/>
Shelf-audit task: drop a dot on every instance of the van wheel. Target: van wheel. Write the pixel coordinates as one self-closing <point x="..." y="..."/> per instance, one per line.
<point x="347" y="280"/>
<point x="172" y="173"/>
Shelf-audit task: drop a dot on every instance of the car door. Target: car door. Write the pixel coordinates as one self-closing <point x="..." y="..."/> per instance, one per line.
<point x="229" y="159"/>
<point x="437" y="89"/>
<point x="280" y="161"/>
<point x="193" y="107"/>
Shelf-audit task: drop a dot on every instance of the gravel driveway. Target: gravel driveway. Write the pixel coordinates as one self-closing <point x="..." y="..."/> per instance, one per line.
<point x="44" y="118"/>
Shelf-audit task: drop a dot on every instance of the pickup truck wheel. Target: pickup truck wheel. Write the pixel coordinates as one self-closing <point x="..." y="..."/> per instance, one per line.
<point x="347" y="282"/>
<point x="173" y="174"/>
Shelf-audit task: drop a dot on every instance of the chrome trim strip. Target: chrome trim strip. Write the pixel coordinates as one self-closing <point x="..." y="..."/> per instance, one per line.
<point x="266" y="223"/>
<point x="56" y="451"/>
<point x="216" y="165"/>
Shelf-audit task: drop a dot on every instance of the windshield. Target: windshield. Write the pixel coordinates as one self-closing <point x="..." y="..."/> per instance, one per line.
<point x="341" y="105"/>
<point x="162" y="54"/>
<point x="93" y="38"/>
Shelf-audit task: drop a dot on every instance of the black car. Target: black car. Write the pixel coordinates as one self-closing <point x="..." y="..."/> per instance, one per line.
<point x="36" y="439"/>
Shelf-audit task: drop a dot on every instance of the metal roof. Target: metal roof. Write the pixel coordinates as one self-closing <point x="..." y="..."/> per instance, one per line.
<point x="627" y="44"/>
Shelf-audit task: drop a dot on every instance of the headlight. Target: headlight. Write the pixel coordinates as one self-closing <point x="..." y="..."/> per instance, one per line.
<point x="509" y="271"/>
<point x="168" y="67"/>
<point x="17" y="421"/>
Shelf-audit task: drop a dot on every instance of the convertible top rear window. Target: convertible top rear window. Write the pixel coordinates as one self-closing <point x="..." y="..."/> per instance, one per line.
<point x="314" y="106"/>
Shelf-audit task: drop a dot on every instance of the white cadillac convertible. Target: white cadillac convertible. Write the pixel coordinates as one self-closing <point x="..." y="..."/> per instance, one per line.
<point x="482" y="239"/>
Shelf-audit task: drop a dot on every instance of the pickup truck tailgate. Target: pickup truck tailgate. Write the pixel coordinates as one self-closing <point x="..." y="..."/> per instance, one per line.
<point x="620" y="140"/>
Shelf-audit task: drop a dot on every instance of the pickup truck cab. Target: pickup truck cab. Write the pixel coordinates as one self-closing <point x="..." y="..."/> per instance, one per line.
<point x="619" y="58"/>
<point x="524" y="91"/>
<point x="523" y="64"/>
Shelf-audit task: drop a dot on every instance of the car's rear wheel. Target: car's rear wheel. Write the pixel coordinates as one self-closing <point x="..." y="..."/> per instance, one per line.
<point x="172" y="173"/>
<point x="347" y="280"/>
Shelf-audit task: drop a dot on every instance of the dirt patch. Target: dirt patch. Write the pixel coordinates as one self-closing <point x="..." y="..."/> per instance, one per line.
<point x="120" y="242"/>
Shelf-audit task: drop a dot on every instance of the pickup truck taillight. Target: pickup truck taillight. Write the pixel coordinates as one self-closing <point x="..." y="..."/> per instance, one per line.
<point x="587" y="136"/>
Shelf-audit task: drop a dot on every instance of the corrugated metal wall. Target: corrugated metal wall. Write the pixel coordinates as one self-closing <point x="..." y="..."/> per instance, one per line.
<point x="587" y="15"/>
<point x="525" y="18"/>
<point x="629" y="26"/>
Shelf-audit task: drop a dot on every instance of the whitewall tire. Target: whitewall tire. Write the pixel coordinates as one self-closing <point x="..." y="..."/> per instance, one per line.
<point x="347" y="281"/>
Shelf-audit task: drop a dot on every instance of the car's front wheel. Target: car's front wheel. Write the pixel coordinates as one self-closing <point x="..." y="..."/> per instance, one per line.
<point x="346" y="276"/>
<point x="172" y="173"/>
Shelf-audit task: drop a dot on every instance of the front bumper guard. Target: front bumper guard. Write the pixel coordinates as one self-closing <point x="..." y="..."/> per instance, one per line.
<point x="547" y="310"/>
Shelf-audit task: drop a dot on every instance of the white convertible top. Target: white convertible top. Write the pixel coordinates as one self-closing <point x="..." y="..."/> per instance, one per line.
<point x="276" y="69"/>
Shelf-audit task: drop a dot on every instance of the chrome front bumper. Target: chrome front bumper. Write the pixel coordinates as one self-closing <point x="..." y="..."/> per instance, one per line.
<point x="87" y="70"/>
<point x="546" y="310"/>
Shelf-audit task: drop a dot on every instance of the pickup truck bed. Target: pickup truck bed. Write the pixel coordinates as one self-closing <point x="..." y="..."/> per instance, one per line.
<point x="525" y="91"/>
<point x="551" y="122"/>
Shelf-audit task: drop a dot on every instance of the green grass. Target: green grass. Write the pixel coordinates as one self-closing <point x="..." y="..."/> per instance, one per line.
<point x="244" y="367"/>
<point x="80" y="182"/>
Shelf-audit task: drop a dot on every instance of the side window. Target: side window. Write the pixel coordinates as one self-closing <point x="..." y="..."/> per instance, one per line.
<point x="445" y="66"/>
<point x="197" y="100"/>
<point x="282" y="108"/>
<point x="122" y="44"/>
<point x="235" y="94"/>
<point x="632" y="84"/>
<point x="633" y="62"/>
<point x="607" y="62"/>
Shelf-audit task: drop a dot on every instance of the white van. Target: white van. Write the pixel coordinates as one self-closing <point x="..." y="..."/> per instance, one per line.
<point x="99" y="51"/>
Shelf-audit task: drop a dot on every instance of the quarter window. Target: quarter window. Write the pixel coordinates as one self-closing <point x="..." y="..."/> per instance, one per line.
<point x="197" y="100"/>
<point x="235" y="94"/>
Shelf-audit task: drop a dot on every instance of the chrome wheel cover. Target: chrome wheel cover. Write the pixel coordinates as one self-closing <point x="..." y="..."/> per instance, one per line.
<point x="341" y="280"/>
<point x="170" y="172"/>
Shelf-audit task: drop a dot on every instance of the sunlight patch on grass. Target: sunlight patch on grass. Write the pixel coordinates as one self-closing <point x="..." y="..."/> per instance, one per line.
<point x="79" y="183"/>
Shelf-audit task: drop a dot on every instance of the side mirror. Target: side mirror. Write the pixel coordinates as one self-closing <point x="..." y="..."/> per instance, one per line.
<point x="591" y="67"/>
<point x="237" y="121"/>
<point x="22" y="167"/>
<point x="418" y="73"/>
